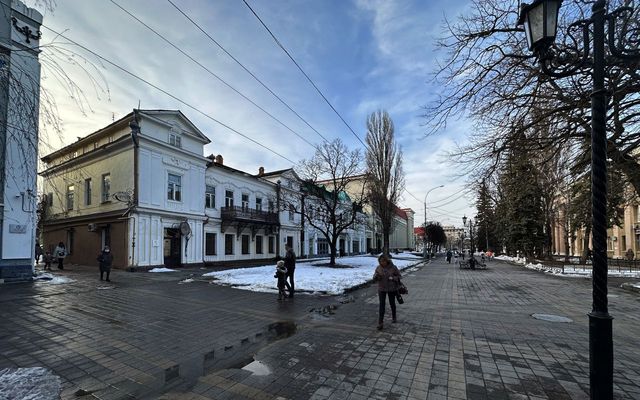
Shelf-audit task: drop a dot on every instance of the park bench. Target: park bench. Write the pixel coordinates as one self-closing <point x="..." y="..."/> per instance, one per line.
<point x="478" y="264"/>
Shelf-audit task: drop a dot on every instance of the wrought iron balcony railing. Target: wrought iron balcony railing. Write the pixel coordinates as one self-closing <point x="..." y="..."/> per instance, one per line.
<point x="245" y="214"/>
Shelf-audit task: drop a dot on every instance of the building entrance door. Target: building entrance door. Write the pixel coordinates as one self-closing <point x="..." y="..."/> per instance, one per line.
<point x="171" y="248"/>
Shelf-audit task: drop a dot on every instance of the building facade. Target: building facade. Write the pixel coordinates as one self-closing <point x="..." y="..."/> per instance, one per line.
<point x="19" y="105"/>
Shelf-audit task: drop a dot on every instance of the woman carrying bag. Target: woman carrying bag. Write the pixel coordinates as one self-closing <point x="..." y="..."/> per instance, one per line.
<point x="388" y="277"/>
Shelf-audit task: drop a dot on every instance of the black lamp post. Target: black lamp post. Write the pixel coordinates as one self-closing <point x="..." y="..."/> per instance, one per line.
<point x="472" y="260"/>
<point x="540" y="20"/>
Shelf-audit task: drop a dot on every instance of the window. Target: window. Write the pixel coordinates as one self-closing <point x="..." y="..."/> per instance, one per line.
<point x="245" y="201"/>
<point x="228" y="244"/>
<point x="228" y="198"/>
<point x="258" y="244"/>
<point x="69" y="245"/>
<point x="271" y="207"/>
<point x="70" y="194"/>
<point x="175" y="140"/>
<point x="291" y="212"/>
<point x="272" y="244"/>
<point x="50" y="199"/>
<point x="258" y="204"/>
<point x="87" y="192"/>
<point x="106" y="187"/>
<point x="210" y="244"/>
<point x="245" y="244"/>
<point x="623" y="246"/>
<point x="210" y="196"/>
<point x="174" y="187"/>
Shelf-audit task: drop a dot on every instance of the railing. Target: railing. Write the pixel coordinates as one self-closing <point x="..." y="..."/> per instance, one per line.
<point x="573" y="263"/>
<point x="237" y="213"/>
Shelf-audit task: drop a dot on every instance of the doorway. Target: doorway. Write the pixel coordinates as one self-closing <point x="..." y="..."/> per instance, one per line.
<point x="171" y="248"/>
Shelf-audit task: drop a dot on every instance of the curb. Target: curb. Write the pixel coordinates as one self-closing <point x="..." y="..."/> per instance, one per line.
<point x="630" y="287"/>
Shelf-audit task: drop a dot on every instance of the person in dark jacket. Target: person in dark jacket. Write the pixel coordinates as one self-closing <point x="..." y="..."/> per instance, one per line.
<point x="281" y="275"/>
<point x="290" y="265"/>
<point x="449" y="255"/>
<point x="105" y="259"/>
<point x="388" y="277"/>
<point x="38" y="252"/>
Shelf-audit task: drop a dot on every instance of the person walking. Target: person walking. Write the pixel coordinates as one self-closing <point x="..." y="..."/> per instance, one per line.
<point x="449" y="255"/>
<point x="290" y="265"/>
<point x="388" y="277"/>
<point x="105" y="258"/>
<point x="38" y="251"/>
<point x="60" y="252"/>
<point x="281" y="275"/>
<point x="47" y="259"/>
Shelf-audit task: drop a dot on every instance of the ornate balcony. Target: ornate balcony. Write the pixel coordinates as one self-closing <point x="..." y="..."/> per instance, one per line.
<point x="243" y="217"/>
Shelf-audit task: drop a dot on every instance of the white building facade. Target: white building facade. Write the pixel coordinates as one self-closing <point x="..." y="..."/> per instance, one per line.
<point x="19" y="105"/>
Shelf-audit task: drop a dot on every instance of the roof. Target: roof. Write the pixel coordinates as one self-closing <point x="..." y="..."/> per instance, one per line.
<point x="419" y="230"/>
<point x="234" y="170"/>
<point x="400" y="212"/>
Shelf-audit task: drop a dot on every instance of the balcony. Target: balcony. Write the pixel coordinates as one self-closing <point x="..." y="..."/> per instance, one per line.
<point x="243" y="217"/>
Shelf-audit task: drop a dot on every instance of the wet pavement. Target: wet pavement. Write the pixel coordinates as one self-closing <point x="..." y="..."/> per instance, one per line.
<point x="461" y="334"/>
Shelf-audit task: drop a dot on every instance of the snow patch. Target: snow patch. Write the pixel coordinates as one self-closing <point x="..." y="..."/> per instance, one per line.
<point x="29" y="384"/>
<point x="162" y="270"/>
<point x="552" y="318"/>
<point x="516" y="260"/>
<point x="52" y="279"/>
<point x="257" y="368"/>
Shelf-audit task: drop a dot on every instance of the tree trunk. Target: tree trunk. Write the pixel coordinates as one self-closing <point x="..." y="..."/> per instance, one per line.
<point x="385" y="240"/>
<point x="332" y="245"/>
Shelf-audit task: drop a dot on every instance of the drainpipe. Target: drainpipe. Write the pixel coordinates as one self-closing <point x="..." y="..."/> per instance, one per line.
<point x="135" y="131"/>
<point x="278" y="189"/>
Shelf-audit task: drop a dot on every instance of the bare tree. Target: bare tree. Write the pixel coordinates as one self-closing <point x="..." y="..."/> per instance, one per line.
<point x="384" y="169"/>
<point x="328" y="176"/>
<point x="488" y="75"/>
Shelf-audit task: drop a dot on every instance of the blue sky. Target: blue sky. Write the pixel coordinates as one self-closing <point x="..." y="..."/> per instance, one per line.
<point x="363" y="54"/>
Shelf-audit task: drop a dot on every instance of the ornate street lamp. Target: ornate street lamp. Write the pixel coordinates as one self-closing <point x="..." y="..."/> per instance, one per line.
<point x="424" y="238"/>
<point x="540" y="24"/>
<point x="472" y="260"/>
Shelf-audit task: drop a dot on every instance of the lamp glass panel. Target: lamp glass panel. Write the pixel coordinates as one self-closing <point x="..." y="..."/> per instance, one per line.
<point x="535" y="19"/>
<point x="527" y="33"/>
<point x="552" y="18"/>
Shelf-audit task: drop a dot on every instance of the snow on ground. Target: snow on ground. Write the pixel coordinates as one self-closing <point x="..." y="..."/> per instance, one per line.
<point x="162" y="270"/>
<point x="312" y="276"/>
<point x="636" y="285"/>
<point x="29" y="384"/>
<point x="47" y="277"/>
<point x="511" y="259"/>
<point x="579" y="271"/>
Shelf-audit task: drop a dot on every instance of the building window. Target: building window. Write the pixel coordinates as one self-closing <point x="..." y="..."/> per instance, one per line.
<point x="271" y="206"/>
<point x="87" y="192"/>
<point x="291" y="212"/>
<point x="210" y="197"/>
<point x="258" y="204"/>
<point x="106" y="187"/>
<point x="50" y="199"/>
<point x="228" y="244"/>
<point x="245" y="201"/>
<point x="245" y="244"/>
<point x="272" y="244"/>
<point x="70" y="193"/>
<point x="623" y="246"/>
<point x="175" y="140"/>
<point x="210" y="244"/>
<point x="69" y="246"/>
<point x="228" y="198"/>
<point x="174" y="187"/>
<point x="258" y="244"/>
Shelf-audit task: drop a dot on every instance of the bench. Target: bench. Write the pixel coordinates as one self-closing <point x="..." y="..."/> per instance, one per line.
<point x="478" y="264"/>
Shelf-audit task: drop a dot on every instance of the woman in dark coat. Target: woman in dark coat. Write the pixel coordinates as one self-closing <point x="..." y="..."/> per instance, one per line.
<point x="105" y="259"/>
<point x="388" y="277"/>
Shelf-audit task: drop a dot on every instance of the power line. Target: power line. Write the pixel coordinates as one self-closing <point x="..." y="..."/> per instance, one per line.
<point x="304" y="73"/>
<point x="167" y="93"/>
<point x="210" y="72"/>
<point x="264" y="85"/>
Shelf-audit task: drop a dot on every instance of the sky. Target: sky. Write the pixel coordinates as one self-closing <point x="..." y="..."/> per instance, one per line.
<point x="363" y="55"/>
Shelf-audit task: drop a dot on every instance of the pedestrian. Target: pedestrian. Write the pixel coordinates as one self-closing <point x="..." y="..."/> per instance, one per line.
<point x="388" y="277"/>
<point x="290" y="265"/>
<point x="48" y="259"/>
<point x="38" y="252"/>
<point x="105" y="259"/>
<point x="281" y="275"/>
<point x="630" y="254"/>
<point x="462" y="255"/>
<point x="449" y="255"/>
<point x="60" y="252"/>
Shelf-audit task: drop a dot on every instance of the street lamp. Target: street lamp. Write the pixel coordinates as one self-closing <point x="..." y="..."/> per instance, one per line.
<point x="424" y="238"/>
<point x="540" y="20"/>
<point x="472" y="260"/>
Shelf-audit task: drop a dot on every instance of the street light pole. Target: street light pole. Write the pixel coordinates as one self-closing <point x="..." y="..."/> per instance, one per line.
<point x="540" y="23"/>
<point x="424" y="238"/>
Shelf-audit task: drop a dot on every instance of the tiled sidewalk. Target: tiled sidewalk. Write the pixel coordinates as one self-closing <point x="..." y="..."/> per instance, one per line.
<point x="461" y="334"/>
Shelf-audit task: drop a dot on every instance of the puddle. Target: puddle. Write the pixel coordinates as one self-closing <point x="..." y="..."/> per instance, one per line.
<point x="283" y="329"/>
<point x="257" y="368"/>
<point x="552" y="318"/>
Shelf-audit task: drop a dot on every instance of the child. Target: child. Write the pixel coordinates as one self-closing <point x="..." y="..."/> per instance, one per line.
<point x="281" y="274"/>
<point x="48" y="258"/>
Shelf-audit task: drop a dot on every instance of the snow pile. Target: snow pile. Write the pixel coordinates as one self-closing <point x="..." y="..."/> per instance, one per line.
<point x="52" y="279"/>
<point x="516" y="260"/>
<point x="29" y="384"/>
<point x="162" y="270"/>
<point x="579" y="271"/>
<point x="309" y="277"/>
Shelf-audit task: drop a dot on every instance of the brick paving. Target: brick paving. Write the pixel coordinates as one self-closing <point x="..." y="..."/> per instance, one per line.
<point x="461" y="334"/>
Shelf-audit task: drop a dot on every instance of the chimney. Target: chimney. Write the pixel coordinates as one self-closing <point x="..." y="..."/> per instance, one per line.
<point x="219" y="160"/>
<point x="261" y="171"/>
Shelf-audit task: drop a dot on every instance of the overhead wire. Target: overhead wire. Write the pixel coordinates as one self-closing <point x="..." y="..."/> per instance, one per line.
<point x="253" y="75"/>
<point x="303" y="72"/>
<point x="210" y="72"/>
<point x="176" y="98"/>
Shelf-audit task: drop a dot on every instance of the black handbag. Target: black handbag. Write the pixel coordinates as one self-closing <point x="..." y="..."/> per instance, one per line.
<point x="399" y="298"/>
<point x="402" y="289"/>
